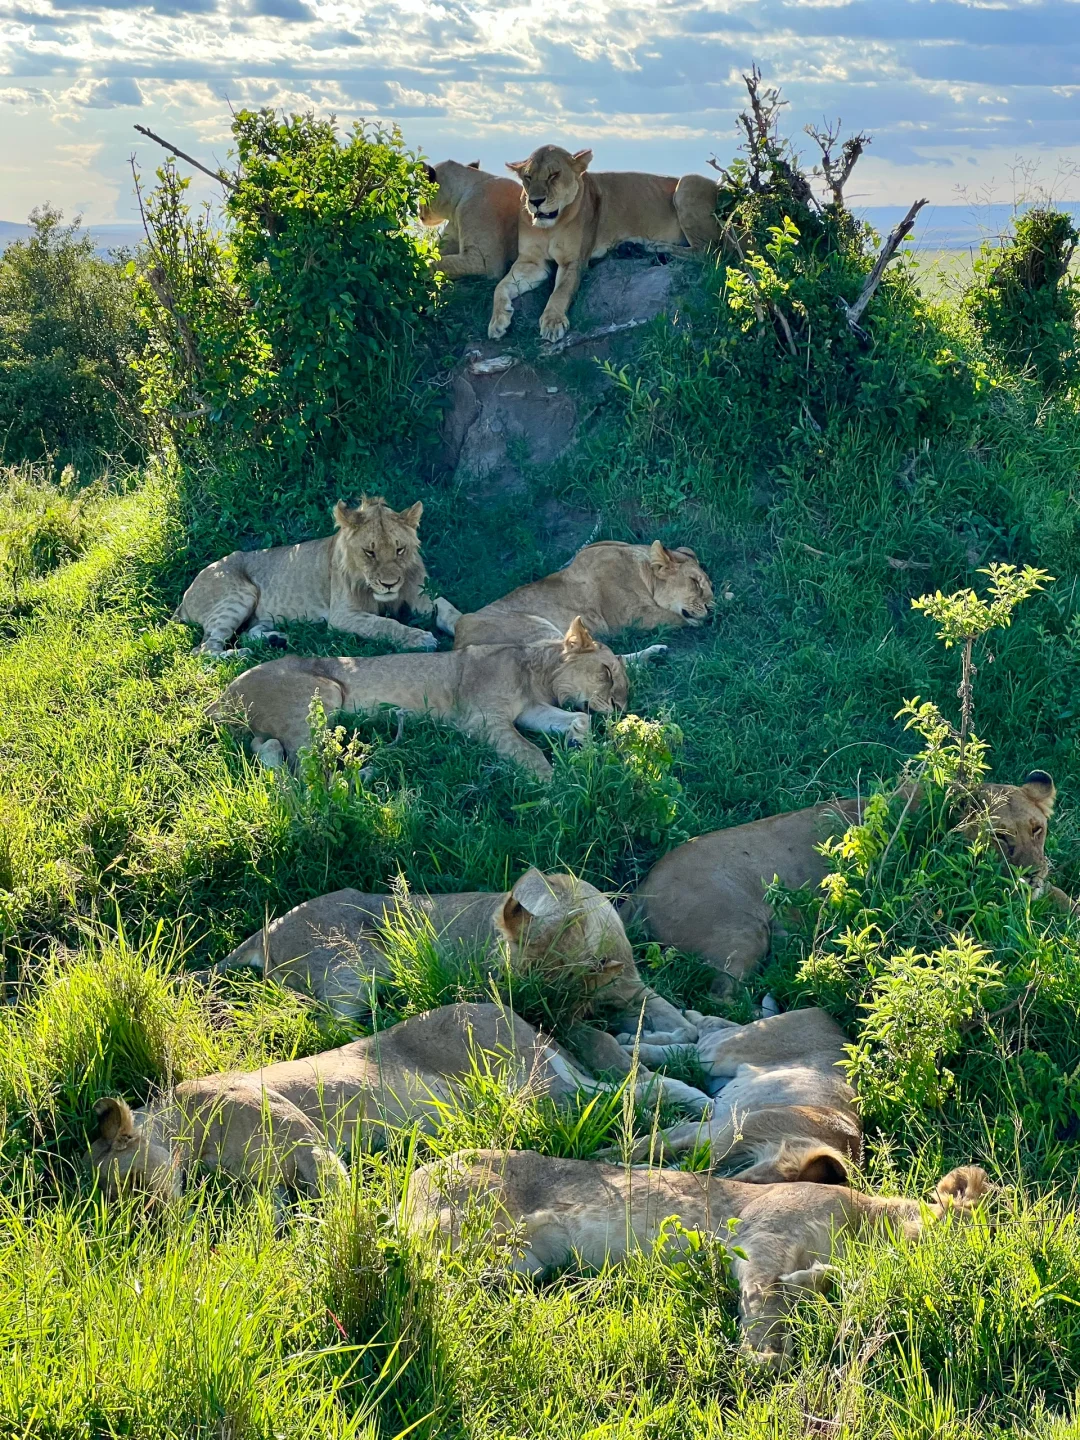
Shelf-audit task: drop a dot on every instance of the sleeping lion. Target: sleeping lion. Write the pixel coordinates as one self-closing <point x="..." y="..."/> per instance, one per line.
<point x="481" y="215"/>
<point x="486" y="691"/>
<point x="611" y="585"/>
<point x="570" y="216"/>
<point x="287" y="1122"/>
<point x="364" y="579"/>
<point x="552" y="1211"/>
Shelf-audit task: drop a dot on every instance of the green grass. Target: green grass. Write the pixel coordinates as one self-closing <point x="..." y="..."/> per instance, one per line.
<point x="137" y="844"/>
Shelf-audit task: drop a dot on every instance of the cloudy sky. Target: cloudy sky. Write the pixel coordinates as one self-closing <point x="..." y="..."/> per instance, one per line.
<point x="952" y="92"/>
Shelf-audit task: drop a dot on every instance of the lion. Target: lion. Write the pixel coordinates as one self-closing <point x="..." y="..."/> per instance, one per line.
<point x="784" y="1110"/>
<point x="549" y="1212"/>
<point x="611" y="585"/>
<point x="485" y="691"/>
<point x="362" y="579"/>
<point x="570" y="216"/>
<point x="289" y="1121"/>
<point x="708" y="896"/>
<point x="481" y="215"/>
<point x="334" y="949"/>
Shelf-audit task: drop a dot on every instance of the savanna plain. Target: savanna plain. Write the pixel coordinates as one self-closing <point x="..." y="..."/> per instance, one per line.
<point x="221" y="388"/>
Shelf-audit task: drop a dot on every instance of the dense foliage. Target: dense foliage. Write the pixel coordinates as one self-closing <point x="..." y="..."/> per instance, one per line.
<point x="68" y="337"/>
<point x="286" y="339"/>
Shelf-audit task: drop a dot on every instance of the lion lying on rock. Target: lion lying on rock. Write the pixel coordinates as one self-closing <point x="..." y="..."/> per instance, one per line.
<point x="611" y="585"/>
<point x="569" y="216"/>
<point x="707" y="896"/>
<point x="782" y="1102"/>
<point x="362" y="579"/>
<point x="481" y="215"/>
<point x="485" y="691"/>
<point x="334" y="949"/>
<point x="286" y="1122"/>
<point x="554" y="1211"/>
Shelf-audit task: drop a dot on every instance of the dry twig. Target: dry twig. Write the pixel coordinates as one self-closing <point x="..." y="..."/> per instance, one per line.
<point x="853" y="313"/>
<point x="218" y="175"/>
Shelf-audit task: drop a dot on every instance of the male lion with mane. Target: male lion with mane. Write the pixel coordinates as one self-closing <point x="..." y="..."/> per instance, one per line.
<point x="364" y="579"/>
<point x="569" y="216"/>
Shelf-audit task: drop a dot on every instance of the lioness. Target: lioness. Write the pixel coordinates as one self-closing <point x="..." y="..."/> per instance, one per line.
<point x="786" y="1106"/>
<point x="358" y="580"/>
<point x="481" y="214"/>
<point x="707" y="896"/>
<point x="553" y="1211"/>
<point x="485" y="691"/>
<point x="289" y="1120"/>
<point x="611" y="585"/>
<point x="333" y="947"/>
<point x="571" y="216"/>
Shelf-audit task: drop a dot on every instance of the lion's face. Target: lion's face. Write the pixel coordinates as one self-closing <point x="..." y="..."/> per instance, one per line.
<point x="557" y="923"/>
<point x="589" y="676"/>
<point x="551" y="181"/>
<point x="125" y="1157"/>
<point x="1018" y="817"/>
<point x="382" y="546"/>
<point x="680" y="584"/>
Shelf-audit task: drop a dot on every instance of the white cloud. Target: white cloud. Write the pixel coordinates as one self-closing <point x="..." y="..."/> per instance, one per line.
<point x="104" y="94"/>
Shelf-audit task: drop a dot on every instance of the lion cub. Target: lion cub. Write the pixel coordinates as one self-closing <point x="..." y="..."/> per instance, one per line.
<point x="486" y="691"/>
<point x="707" y="896"/>
<point x="481" y="214"/>
<point x="362" y="579"/>
<point x="333" y="947"/>
<point x="288" y="1121"/>
<point x="569" y="216"/>
<point x="611" y="585"/>
<point x="551" y="1211"/>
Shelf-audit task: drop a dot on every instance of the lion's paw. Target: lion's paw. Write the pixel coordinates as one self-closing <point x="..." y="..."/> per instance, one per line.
<point x="553" y="327"/>
<point x="421" y="640"/>
<point x="499" y="325"/>
<point x="578" y="730"/>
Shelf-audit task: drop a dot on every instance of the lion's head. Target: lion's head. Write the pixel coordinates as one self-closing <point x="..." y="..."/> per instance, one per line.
<point x="551" y="181"/>
<point x="589" y="675"/>
<point x="380" y="549"/>
<point x="561" y="925"/>
<point x="1017" y="817"/>
<point x="679" y="583"/>
<point x="125" y="1156"/>
<point x="439" y="206"/>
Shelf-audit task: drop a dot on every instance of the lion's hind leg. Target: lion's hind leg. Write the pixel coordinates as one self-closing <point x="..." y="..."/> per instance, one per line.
<point x="228" y="614"/>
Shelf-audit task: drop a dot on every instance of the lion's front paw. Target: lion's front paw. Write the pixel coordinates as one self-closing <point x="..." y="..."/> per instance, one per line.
<point x="500" y="323"/>
<point x="420" y="640"/>
<point x="578" y="730"/>
<point x="553" y="326"/>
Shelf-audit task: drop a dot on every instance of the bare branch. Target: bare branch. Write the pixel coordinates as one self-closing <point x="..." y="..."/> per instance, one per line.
<point x="853" y="313"/>
<point x="218" y="175"/>
<point x="837" y="172"/>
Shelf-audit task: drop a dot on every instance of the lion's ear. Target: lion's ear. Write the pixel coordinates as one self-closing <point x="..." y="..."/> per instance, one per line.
<point x="429" y="171"/>
<point x="686" y="553"/>
<point x="577" y="640"/>
<point x="1039" y="786"/>
<point x="411" y="516"/>
<point x="473" y="165"/>
<point x="343" y="515"/>
<point x="116" y="1124"/>
<point x="516" y="165"/>
<point x="581" y="161"/>
<point x="660" y="558"/>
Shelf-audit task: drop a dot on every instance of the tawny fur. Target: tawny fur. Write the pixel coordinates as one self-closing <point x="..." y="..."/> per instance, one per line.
<point x="334" y="949"/>
<point x="707" y="896"/>
<point x="481" y="215"/>
<point x="611" y="585"/>
<point x="569" y="216"/>
<point x="552" y="1211"/>
<point x="288" y="1121"/>
<point x="485" y="691"/>
<point x="365" y="579"/>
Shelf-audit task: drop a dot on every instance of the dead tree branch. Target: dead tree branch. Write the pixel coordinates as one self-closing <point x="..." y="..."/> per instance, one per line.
<point x="766" y="160"/>
<point x="853" y="313"/>
<point x="836" y="171"/>
<point x="218" y="175"/>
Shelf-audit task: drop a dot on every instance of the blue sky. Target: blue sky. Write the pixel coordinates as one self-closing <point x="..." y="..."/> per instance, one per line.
<point x="953" y="93"/>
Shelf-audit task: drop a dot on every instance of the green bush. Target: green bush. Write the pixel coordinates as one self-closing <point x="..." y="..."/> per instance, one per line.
<point x="1023" y="301"/>
<point x="68" y="335"/>
<point x="287" y="340"/>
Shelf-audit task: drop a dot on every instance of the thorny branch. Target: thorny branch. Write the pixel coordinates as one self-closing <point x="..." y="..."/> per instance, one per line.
<point x="836" y="171"/>
<point x="765" y="155"/>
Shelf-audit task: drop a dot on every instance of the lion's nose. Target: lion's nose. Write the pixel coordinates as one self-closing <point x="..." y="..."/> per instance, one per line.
<point x="537" y="200"/>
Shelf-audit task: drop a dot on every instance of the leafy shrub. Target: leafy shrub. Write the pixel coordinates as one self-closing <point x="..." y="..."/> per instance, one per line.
<point x="68" y="336"/>
<point x="293" y="329"/>
<point x="1023" y="300"/>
